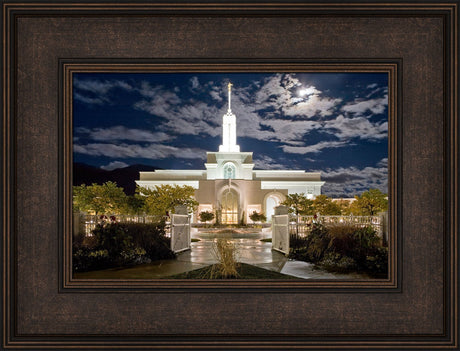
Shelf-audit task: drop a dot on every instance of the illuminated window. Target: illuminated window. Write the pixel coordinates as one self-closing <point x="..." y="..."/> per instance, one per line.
<point x="229" y="171"/>
<point x="229" y="207"/>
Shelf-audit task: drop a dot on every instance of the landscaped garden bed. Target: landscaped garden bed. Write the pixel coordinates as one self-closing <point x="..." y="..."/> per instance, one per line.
<point x="342" y="248"/>
<point x="114" y="244"/>
<point x="244" y="271"/>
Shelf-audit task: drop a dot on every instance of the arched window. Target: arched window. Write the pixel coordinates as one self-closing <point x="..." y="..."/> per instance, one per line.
<point x="229" y="171"/>
<point x="271" y="202"/>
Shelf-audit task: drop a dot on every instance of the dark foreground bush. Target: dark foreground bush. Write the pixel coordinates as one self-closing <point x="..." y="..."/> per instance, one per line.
<point x="342" y="248"/>
<point x="310" y="248"/>
<point x="120" y="244"/>
<point x="152" y="238"/>
<point x="84" y="259"/>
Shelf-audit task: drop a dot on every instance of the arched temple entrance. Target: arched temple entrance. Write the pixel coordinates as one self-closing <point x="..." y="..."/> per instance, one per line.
<point x="229" y="202"/>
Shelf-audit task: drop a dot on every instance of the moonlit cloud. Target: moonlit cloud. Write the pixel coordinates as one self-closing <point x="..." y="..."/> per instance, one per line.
<point x="152" y="151"/>
<point x="114" y="165"/>
<point x="180" y="117"/>
<point x="195" y="82"/>
<point x="275" y="90"/>
<point x="266" y="162"/>
<point x="350" y="181"/>
<point x="93" y="86"/>
<point x="215" y="94"/>
<point x="99" y="90"/>
<point x="359" y="127"/>
<point x="90" y="100"/>
<point x="383" y="162"/>
<point x="312" y="106"/>
<point x="122" y="133"/>
<point x="101" y="87"/>
<point x="359" y="106"/>
<point x="282" y="93"/>
<point x="314" y="148"/>
<point x="288" y="132"/>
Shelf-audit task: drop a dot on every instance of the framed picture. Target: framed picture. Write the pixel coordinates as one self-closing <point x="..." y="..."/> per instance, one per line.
<point x="271" y="112"/>
<point x="65" y="65"/>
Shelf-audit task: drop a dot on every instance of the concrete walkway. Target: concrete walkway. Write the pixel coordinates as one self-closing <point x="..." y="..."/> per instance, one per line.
<point x="250" y="250"/>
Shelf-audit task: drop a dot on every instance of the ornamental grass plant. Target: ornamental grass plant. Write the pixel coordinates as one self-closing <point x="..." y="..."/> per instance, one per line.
<point x="226" y="253"/>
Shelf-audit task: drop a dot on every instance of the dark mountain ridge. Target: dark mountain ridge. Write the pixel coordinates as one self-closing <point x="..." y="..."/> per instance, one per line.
<point x="124" y="177"/>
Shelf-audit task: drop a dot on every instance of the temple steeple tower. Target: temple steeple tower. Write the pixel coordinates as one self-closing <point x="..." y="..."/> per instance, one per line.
<point x="229" y="127"/>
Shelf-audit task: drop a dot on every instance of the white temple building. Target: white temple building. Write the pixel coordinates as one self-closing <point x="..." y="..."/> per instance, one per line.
<point x="231" y="186"/>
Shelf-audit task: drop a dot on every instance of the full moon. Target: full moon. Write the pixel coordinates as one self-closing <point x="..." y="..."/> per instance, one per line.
<point x="303" y="92"/>
<point x="310" y="90"/>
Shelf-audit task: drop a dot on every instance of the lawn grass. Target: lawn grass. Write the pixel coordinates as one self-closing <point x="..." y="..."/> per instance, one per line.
<point x="245" y="271"/>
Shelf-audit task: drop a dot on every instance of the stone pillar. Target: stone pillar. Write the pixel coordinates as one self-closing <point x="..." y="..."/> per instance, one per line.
<point x="281" y="210"/>
<point x="180" y="209"/>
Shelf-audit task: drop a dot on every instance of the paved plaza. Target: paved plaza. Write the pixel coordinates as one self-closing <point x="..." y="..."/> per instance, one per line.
<point x="251" y="250"/>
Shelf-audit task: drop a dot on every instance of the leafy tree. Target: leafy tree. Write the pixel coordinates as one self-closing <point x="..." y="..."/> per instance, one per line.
<point x="206" y="216"/>
<point x="107" y="198"/>
<point x="324" y="205"/>
<point x="298" y="204"/>
<point x="345" y="207"/>
<point x="135" y="204"/>
<point x="257" y="217"/>
<point x="370" y="203"/>
<point x="162" y="199"/>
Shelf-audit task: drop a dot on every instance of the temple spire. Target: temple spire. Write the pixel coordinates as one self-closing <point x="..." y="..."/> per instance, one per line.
<point x="229" y="127"/>
<point x="229" y="97"/>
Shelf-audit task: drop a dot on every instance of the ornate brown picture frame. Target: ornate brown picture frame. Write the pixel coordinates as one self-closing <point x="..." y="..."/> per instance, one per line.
<point x="416" y="307"/>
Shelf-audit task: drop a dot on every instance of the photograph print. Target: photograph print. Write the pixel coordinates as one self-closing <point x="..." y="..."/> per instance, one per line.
<point x="230" y="175"/>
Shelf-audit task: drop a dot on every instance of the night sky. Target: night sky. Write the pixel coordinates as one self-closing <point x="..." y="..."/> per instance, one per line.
<point x="335" y="123"/>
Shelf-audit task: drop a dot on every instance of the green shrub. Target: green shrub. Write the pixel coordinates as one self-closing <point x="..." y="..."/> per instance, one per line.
<point x="120" y="244"/>
<point x="342" y="238"/>
<point x="81" y="240"/>
<point x="113" y="238"/>
<point x="315" y="244"/>
<point x="334" y="262"/>
<point x="367" y="237"/>
<point x="257" y="217"/>
<point x="84" y="259"/>
<point x="298" y="241"/>
<point x="206" y="216"/>
<point x="342" y="248"/>
<point x="152" y="238"/>
<point x="85" y="255"/>
<point x="377" y="262"/>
